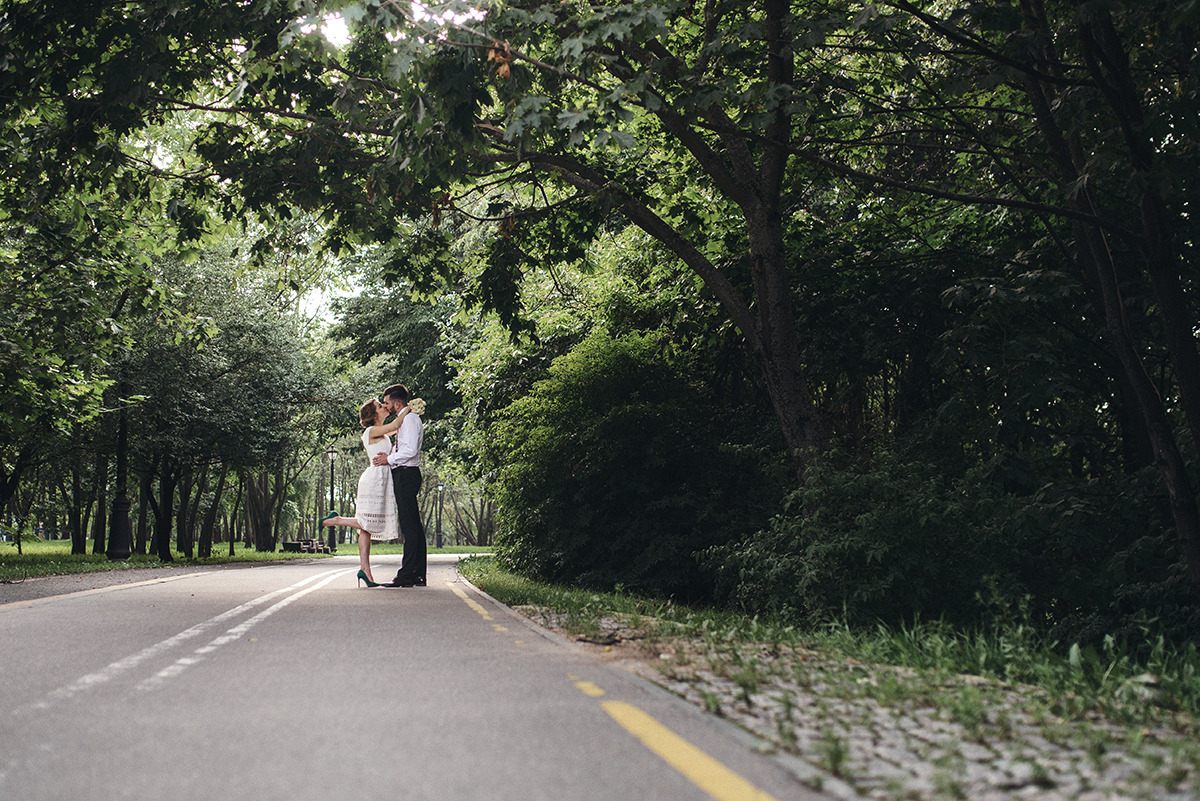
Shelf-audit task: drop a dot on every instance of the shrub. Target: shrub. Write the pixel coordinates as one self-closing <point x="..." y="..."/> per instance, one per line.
<point x="887" y="539"/>
<point x="1102" y="560"/>
<point x="616" y="473"/>
<point x="893" y="539"/>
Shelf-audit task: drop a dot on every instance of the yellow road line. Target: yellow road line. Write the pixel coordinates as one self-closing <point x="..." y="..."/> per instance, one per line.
<point x="698" y="767"/>
<point x="483" y="613"/>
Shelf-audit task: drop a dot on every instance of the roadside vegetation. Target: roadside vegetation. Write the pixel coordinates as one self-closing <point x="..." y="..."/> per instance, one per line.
<point x="1135" y="682"/>
<point x="925" y="710"/>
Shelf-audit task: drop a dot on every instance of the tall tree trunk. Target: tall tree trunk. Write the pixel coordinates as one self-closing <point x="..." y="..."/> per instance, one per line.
<point x="10" y="474"/>
<point x="235" y="517"/>
<point x="19" y="504"/>
<point x="163" y="510"/>
<point x="278" y="499"/>
<point x="1167" y="454"/>
<point x="1107" y="59"/>
<point x="487" y="531"/>
<point x="85" y="519"/>
<point x="183" y="531"/>
<point x="100" y="490"/>
<point x="259" y="511"/>
<point x="75" y="518"/>
<point x="145" y="488"/>
<point x="759" y="193"/>
<point x="193" y="514"/>
<point x="102" y="443"/>
<point x="100" y="523"/>
<point x="210" y="517"/>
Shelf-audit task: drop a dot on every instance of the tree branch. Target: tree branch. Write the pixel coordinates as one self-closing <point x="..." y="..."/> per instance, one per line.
<point x="590" y="180"/>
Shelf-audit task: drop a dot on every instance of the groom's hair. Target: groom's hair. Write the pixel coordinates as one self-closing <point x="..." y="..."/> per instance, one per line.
<point x="398" y="391"/>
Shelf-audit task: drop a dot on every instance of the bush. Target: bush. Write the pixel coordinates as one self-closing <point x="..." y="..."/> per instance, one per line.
<point x="616" y="473"/>
<point x="1103" y="560"/>
<point x="889" y="539"/>
<point x="892" y="539"/>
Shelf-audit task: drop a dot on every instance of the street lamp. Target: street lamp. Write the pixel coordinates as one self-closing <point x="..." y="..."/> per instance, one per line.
<point x="441" y="488"/>
<point x="120" y="537"/>
<point x="331" y="452"/>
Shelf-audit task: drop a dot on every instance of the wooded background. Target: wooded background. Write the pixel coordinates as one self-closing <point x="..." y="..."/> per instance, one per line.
<point x="815" y="308"/>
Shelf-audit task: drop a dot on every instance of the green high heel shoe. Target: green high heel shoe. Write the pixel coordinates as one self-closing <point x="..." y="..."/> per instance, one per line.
<point x="363" y="577"/>
<point x="328" y="516"/>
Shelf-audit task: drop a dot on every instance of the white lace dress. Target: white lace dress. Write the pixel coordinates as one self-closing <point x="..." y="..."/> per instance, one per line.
<point x="375" y="506"/>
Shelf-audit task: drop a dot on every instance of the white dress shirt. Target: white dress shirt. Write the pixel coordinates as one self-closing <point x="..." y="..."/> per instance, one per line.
<point x="407" y="450"/>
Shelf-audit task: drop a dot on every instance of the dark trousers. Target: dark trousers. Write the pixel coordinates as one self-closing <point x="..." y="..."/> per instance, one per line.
<point x="406" y="483"/>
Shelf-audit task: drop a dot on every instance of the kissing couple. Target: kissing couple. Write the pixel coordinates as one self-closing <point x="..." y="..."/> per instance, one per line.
<point x="387" y="490"/>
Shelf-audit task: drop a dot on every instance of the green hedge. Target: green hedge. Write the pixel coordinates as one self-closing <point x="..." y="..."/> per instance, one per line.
<point x="619" y="469"/>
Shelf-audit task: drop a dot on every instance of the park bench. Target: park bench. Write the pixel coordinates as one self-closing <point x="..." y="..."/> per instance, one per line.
<point x="306" y="546"/>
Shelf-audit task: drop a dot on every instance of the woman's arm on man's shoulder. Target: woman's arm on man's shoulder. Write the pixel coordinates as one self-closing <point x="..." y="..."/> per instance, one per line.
<point x="376" y="433"/>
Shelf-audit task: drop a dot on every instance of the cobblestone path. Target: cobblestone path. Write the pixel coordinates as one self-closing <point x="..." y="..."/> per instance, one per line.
<point x="876" y="732"/>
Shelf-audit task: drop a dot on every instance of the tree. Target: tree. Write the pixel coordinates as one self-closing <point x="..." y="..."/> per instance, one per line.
<point x="243" y="391"/>
<point x="399" y="338"/>
<point x="60" y="327"/>
<point x="545" y="102"/>
<point x="1064" y="131"/>
<point x="1080" y="88"/>
<point x="438" y="100"/>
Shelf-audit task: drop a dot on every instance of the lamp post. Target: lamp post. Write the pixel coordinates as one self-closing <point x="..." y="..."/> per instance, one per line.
<point x="441" y="488"/>
<point x="331" y="452"/>
<point x="120" y="537"/>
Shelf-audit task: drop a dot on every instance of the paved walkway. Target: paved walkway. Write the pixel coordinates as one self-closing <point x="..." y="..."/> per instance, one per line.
<point x="299" y="684"/>
<point x="872" y="732"/>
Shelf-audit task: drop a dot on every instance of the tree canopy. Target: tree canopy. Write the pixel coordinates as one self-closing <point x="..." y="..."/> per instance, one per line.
<point x="961" y="227"/>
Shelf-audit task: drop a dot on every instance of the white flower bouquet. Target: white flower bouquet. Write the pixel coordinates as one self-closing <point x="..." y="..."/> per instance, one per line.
<point x="417" y="405"/>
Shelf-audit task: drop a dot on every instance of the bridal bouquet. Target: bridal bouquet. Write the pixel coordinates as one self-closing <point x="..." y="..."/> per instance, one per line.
<point x="417" y="405"/>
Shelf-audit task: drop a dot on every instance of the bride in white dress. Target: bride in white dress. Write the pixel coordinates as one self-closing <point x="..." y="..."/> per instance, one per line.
<point x="375" y="506"/>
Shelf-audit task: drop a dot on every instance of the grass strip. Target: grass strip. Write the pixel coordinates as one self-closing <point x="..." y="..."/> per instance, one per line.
<point x="54" y="558"/>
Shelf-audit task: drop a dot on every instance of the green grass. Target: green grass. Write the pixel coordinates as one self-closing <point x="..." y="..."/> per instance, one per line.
<point x="1129" y="683"/>
<point x="54" y="557"/>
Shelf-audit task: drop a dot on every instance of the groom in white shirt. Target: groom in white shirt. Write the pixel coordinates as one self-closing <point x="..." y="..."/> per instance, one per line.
<point x="405" y="461"/>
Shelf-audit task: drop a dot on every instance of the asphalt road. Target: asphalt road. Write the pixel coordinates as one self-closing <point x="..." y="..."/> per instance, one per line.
<point x="287" y="681"/>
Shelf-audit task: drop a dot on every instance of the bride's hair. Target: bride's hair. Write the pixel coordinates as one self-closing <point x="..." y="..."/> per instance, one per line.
<point x="366" y="413"/>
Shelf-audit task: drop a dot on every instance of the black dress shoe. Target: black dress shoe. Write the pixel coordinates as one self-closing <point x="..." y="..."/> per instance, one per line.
<point x="401" y="581"/>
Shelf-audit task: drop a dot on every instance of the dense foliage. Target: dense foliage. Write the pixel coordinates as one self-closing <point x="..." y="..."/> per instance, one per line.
<point x="617" y="467"/>
<point x="945" y="249"/>
<point x="892" y="537"/>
